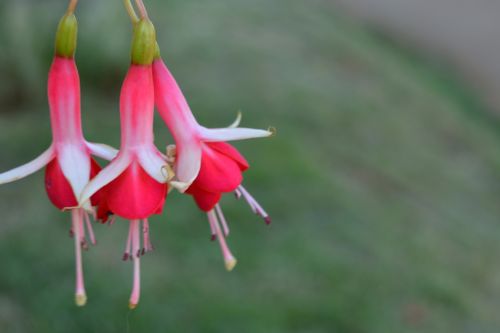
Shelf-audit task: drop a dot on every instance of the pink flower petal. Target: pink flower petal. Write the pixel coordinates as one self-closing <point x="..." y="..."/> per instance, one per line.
<point x="134" y="194"/>
<point x="218" y="172"/>
<point x="230" y="151"/>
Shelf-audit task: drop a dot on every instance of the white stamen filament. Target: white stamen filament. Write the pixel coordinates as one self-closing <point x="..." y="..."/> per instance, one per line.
<point x="126" y="254"/>
<point x="90" y="230"/>
<point x="146" y="246"/>
<point x="229" y="259"/>
<point x="77" y="226"/>
<point x="81" y="231"/>
<point x="256" y="207"/>
<point x="213" y="231"/>
<point x="222" y="220"/>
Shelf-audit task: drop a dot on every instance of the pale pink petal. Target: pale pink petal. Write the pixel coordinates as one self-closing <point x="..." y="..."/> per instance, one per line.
<point x="237" y="121"/>
<point x="106" y="176"/>
<point x="232" y="134"/>
<point x="101" y="150"/>
<point x="75" y="165"/>
<point x="28" y="168"/>
<point x="154" y="164"/>
<point x="188" y="164"/>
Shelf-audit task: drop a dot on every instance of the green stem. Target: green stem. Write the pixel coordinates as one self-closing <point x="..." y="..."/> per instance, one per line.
<point x="131" y="11"/>
<point x="142" y="9"/>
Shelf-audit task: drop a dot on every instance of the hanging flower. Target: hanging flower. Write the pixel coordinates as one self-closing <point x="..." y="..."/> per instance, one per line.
<point x="206" y="166"/>
<point x="134" y="185"/>
<point x="68" y="161"/>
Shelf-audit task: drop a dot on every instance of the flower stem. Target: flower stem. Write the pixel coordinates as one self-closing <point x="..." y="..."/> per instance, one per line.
<point x="142" y="9"/>
<point x="131" y="11"/>
<point x="72" y="7"/>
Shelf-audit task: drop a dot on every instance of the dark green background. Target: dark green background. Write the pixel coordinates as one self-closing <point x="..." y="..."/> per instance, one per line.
<point x="383" y="181"/>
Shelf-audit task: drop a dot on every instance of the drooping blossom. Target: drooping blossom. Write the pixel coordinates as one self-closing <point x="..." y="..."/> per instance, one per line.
<point x="206" y="165"/>
<point x="134" y="185"/>
<point x="68" y="161"/>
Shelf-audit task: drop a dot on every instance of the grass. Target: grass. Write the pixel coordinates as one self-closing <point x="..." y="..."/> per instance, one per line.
<point x="383" y="180"/>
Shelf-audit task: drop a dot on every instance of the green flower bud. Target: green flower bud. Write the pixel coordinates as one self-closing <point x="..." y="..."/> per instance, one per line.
<point x="143" y="43"/>
<point x="66" y="36"/>
<point x="157" y="51"/>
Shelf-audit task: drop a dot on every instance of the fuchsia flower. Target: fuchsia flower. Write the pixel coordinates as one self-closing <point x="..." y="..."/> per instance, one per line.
<point x="134" y="184"/>
<point x="68" y="161"/>
<point x="206" y="166"/>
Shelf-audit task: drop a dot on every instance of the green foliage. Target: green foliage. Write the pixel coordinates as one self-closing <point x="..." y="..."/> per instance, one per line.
<point x="383" y="180"/>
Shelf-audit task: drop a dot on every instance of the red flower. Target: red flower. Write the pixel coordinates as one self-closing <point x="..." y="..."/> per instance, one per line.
<point x="68" y="161"/>
<point x="134" y="184"/>
<point x="206" y="166"/>
<point x="220" y="172"/>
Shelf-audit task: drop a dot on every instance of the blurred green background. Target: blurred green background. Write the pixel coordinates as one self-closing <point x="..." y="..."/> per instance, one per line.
<point x="383" y="181"/>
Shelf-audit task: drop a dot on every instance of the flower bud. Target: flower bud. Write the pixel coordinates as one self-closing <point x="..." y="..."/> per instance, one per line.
<point x="66" y="36"/>
<point x="143" y="43"/>
<point x="157" y="51"/>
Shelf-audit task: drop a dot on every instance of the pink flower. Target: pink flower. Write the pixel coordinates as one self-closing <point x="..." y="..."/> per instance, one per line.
<point x="134" y="184"/>
<point x="68" y="161"/>
<point x="206" y="166"/>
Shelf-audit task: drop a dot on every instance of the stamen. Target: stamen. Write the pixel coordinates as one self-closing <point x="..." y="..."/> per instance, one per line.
<point x="126" y="254"/>
<point x="171" y="154"/>
<point x="229" y="259"/>
<point x="136" y="288"/>
<point x="213" y="230"/>
<point x="146" y="243"/>
<point x="222" y="219"/>
<point x="256" y="207"/>
<point x="81" y="230"/>
<point x="89" y="229"/>
<point x="80" y="296"/>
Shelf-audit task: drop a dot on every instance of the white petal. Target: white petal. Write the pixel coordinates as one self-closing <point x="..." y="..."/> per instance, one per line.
<point x="154" y="164"/>
<point x="75" y="165"/>
<point x="188" y="164"/>
<point x="106" y="176"/>
<point x="101" y="150"/>
<point x="232" y="134"/>
<point x="28" y="168"/>
<point x="237" y="122"/>
<point x="180" y="186"/>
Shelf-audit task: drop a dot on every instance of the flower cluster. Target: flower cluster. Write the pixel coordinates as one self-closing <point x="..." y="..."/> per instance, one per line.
<point x="135" y="183"/>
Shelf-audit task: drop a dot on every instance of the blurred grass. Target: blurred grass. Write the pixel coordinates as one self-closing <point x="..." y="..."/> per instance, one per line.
<point x="383" y="181"/>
